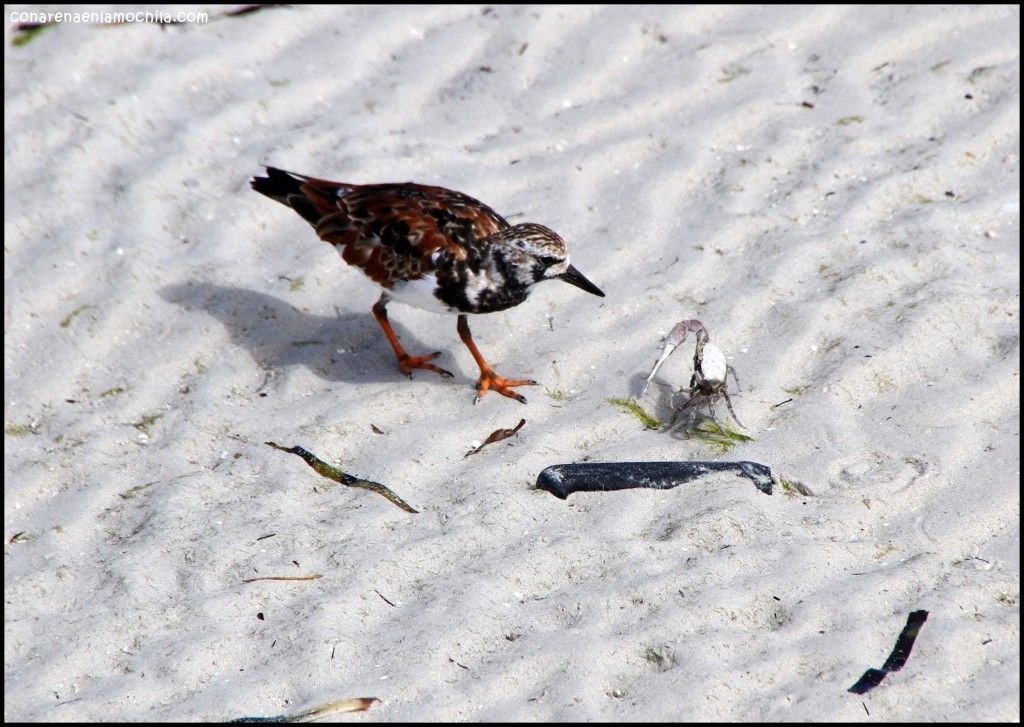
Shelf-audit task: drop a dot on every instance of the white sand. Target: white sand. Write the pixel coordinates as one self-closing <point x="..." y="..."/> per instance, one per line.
<point x="859" y="257"/>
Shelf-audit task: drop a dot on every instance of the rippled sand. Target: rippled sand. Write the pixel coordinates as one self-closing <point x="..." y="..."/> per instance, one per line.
<point x="834" y="192"/>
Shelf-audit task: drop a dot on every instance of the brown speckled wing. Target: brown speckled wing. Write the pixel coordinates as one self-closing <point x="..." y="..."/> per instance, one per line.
<point x="390" y="230"/>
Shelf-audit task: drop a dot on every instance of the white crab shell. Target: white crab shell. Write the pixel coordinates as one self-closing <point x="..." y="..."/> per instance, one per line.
<point x="712" y="364"/>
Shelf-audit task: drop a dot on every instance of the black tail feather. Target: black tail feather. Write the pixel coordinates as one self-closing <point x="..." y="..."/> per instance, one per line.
<point x="278" y="184"/>
<point x="286" y="188"/>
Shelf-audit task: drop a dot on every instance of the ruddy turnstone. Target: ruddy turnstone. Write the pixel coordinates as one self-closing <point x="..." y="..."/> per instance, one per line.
<point x="433" y="248"/>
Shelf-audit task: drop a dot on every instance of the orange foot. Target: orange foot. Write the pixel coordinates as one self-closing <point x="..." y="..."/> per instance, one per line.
<point x="407" y="363"/>
<point x="490" y="380"/>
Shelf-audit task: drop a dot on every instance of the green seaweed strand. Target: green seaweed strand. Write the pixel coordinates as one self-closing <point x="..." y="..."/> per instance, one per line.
<point x="628" y="405"/>
<point x="333" y="473"/>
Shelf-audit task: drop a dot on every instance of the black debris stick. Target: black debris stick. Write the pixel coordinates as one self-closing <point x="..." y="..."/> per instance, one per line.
<point x="873" y="677"/>
<point x="561" y="480"/>
<point x="333" y="473"/>
<point x="249" y="9"/>
<point x="496" y="436"/>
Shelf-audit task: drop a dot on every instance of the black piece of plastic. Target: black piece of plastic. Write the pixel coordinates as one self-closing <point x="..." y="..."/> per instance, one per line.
<point x="561" y="480"/>
<point x="900" y="653"/>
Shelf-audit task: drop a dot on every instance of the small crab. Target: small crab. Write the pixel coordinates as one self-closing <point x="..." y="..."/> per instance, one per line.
<point x="708" y="383"/>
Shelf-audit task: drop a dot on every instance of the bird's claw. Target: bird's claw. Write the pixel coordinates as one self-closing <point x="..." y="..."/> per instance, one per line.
<point x="407" y="363"/>
<point x="490" y="381"/>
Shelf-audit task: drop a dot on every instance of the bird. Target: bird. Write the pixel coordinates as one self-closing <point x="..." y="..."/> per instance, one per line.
<point x="432" y="248"/>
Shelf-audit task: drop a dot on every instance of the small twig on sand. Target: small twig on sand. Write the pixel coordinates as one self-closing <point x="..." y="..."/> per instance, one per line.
<point x="497" y="436"/>
<point x="282" y="578"/>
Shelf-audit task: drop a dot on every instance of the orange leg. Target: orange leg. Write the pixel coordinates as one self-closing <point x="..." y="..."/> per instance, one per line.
<point x="406" y="363"/>
<point x="488" y="379"/>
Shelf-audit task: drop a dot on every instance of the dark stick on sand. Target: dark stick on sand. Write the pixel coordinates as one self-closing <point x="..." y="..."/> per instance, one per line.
<point x="561" y="480"/>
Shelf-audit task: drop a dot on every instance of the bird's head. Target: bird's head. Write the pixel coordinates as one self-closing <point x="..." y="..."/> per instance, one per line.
<point x="540" y="254"/>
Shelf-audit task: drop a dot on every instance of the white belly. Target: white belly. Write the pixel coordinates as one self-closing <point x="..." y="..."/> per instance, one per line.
<point x="419" y="293"/>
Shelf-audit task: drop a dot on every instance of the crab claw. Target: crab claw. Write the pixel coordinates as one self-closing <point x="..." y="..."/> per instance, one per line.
<point x="672" y="341"/>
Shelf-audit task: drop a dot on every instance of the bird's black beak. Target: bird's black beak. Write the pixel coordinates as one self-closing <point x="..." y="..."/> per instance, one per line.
<point x="574" y="276"/>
